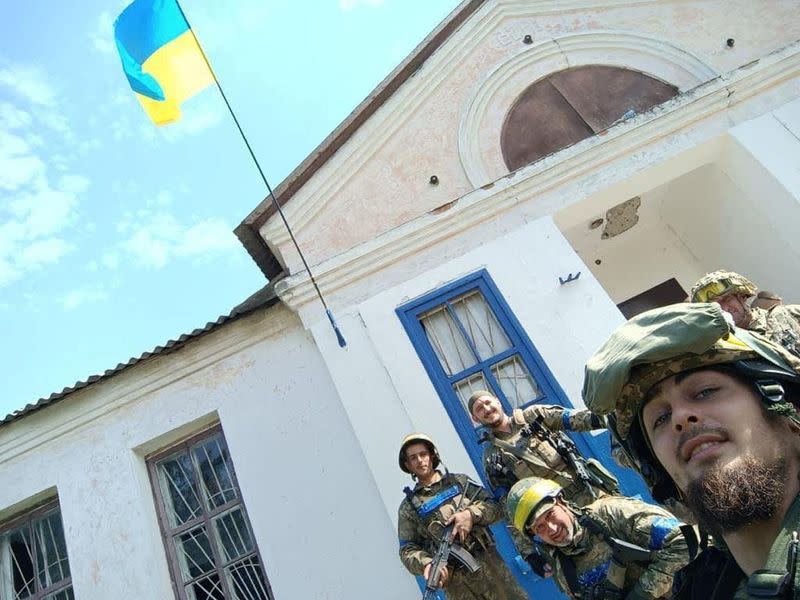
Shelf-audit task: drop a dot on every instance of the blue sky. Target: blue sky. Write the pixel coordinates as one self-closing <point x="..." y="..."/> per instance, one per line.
<point x="115" y="235"/>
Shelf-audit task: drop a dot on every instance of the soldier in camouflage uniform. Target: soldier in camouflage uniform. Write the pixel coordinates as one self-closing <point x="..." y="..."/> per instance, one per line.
<point x="780" y="323"/>
<point x="435" y="502"/>
<point x="708" y="412"/>
<point x="615" y="547"/>
<point x="510" y="455"/>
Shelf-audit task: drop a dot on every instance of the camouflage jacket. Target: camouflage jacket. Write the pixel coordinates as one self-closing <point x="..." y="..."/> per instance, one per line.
<point x="715" y="575"/>
<point x="421" y="518"/>
<point x="503" y="468"/>
<point x="780" y="324"/>
<point x="632" y="521"/>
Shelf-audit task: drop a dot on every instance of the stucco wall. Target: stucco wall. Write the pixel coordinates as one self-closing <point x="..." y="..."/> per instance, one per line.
<point x="390" y="394"/>
<point x="312" y="501"/>
<point x="379" y="179"/>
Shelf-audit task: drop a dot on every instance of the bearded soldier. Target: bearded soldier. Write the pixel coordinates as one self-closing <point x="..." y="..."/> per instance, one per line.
<point x="708" y="413"/>
<point x="531" y="442"/>
<point x="439" y="500"/>
<point x="614" y="547"/>
<point x="733" y="292"/>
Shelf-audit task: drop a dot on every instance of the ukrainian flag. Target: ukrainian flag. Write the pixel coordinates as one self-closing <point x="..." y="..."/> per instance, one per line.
<point x="160" y="56"/>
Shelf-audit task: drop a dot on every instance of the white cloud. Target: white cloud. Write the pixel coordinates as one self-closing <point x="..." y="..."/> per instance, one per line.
<point x="84" y="295"/>
<point x="28" y="82"/>
<point x="103" y="36"/>
<point x="40" y="196"/>
<point x="154" y="238"/>
<point x="197" y="115"/>
<point x="42" y="252"/>
<point x="12" y="117"/>
<point x="353" y="4"/>
<point x="110" y="260"/>
<point x="210" y="236"/>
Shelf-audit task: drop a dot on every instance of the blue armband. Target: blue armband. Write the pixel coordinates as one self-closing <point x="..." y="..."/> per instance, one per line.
<point x="439" y="499"/>
<point x="661" y="528"/>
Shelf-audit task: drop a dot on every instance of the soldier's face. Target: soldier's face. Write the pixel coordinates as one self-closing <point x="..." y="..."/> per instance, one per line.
<point x="736" y="305"/>
<point x="703" y="420"/>
<point x="556" y="527"/>
<point x="488" y="411"/>
<point x="419" y="460"/>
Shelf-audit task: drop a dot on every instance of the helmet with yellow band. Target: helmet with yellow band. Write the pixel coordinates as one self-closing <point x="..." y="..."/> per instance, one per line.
<point x="417" y="438"/>
<point x="528" y="498"/>
<point x="663" y="342"/>
<point x="721" y="283"/>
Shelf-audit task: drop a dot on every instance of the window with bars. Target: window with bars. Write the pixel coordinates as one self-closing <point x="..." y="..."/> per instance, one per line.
<point x="475" y="352"/>
<point x="33" y="557"/>
<point x="209" y="541"/>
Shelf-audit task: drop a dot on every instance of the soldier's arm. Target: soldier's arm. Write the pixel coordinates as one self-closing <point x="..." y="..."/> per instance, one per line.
<point x="412" y="550"/>
<point x="660" y="532"/>
<point x="484" y="508"/>
<point x="558" y="418"/>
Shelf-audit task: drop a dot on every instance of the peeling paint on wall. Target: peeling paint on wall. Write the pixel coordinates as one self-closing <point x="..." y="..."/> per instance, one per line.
<point x="622" y="217"/>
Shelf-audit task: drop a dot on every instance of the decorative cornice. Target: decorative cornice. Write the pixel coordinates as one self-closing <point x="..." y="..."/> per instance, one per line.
<point x="139" y="381"/>
<point x="713" y="97"/>
<point x="496" y="92"/>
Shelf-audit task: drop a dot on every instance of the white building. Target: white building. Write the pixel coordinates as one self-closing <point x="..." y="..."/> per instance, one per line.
<point x="637" y="143"/>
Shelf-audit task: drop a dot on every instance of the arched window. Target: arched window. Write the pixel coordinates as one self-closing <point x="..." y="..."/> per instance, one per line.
<point x="568" y="106"/>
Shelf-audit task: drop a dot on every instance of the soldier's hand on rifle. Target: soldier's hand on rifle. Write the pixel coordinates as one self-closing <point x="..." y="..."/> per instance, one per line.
<point x="462" y="525"/>
<point x="444" y="575"/>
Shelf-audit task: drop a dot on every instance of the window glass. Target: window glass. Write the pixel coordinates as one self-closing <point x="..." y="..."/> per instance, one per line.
<point x="33" y="557"/>
<point x="211" y="546"/>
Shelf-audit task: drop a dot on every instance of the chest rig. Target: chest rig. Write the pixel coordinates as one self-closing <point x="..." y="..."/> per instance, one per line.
<point x="431" y="511"/>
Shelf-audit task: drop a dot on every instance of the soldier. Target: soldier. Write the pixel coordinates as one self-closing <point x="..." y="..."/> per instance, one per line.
<point x="435" y="502"/>
<point x="766" y="300"/>
<point x="708" y="413"/>
<point x="514" y="452"/>
<point x="615" y="547"/>
<point x="781" y="323"/>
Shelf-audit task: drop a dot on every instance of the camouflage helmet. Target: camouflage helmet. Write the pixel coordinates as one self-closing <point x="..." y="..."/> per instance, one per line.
<point x="417" y="438"/>
<point x="528" y="498"/>
<point x="663" y="342"/>
<point x="719" y="283"/>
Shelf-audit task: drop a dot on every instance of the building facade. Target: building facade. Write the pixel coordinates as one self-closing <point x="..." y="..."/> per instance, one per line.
<point x="483" y="220"/>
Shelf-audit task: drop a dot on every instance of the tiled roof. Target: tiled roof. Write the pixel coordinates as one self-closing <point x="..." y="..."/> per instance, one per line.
<point x="261" y="299"/>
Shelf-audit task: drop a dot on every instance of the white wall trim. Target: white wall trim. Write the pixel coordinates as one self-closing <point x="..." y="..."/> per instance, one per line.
<point x="680" y="113"/>
<point x="494" y="95"/>
<point x="87" y="405"/>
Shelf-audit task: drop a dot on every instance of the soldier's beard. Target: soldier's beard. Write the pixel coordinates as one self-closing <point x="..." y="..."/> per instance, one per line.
<point x="725" y="499"/>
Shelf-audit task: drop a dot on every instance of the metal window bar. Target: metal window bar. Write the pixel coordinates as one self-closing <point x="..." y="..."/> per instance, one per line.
<point x="488" y="365"/>
<point x="216" y="581"/>
<point x="32" y="588"/>
<point x="174" y="486"/>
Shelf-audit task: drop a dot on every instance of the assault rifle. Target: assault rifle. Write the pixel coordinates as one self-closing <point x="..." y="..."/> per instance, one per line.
<point x="566" y="448"/>
<point x="448" y="547"/>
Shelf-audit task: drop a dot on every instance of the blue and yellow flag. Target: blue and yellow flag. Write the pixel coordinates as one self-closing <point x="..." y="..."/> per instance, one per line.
<point x="160" y="57"/>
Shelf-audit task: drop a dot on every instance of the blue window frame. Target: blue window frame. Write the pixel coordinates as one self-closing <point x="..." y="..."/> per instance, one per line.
<point x="468" y="338"/>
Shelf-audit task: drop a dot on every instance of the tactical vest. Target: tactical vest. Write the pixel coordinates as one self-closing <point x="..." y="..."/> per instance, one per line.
<point x="778" y="325"/>
<point x="434" y="511"/>
<point x="536" y="457"/>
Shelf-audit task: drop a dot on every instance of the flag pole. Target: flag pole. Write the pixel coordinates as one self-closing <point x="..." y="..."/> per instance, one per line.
<point x="339" y="336"/>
